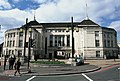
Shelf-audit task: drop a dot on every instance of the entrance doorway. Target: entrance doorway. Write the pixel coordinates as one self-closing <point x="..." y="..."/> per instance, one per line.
<point x="50" y="55"/>
<point x="55" y="54"/>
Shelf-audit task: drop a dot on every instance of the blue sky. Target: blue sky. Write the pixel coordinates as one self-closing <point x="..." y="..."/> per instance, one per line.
<point x="14" y="12"/>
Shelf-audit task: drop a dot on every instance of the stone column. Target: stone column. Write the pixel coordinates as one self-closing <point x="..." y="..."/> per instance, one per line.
<point x="65" y="40"/>
<point x="53" y="40"/>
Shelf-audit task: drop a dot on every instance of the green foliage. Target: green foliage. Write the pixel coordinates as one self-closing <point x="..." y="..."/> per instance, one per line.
<point x="48" y="62"/>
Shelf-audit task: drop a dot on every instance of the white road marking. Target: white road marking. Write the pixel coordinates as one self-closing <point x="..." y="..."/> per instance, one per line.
<point x="87" y="77"/>
<point x="31" y="78"/>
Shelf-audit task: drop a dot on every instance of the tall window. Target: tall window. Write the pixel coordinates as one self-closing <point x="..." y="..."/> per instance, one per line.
<point x="20" y="43"/>
<point x="10" y="43"/>
<point x="97" y="53"/>
<point x="55" y="40"/>
<point x="51" y="40"/>
<point x="68" y="40"/>
<point x="7" y="43"/>
<point x="97" y="43"/>
<point x="13" y="34"/>
<point x="105" y="43"/>
<point x="59" y="40"/>
<point x="111" y="43"/>
<point x="45" y="45"/>
<point x="108" y="43"/>
<point x="13" y="43"/>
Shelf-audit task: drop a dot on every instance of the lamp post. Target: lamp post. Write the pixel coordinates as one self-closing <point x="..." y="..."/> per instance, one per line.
<point x="72" y="28"/>
<point x="29" y="50"/>
<point x="26" y="27"/>
<point x="25" y="34"/>
<point x="72" y="31"/>
<point x="5" y="58"/>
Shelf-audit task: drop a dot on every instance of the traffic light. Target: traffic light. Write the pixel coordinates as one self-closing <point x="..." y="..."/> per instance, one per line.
<point x="32" y="43"/>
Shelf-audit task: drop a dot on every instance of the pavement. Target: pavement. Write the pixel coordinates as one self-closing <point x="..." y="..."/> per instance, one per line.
<point x="45" y="70"/>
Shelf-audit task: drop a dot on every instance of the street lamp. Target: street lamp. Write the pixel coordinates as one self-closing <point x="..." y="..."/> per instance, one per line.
<point x="29" y="49"/>
<point x="21" y="30"/>
<point x="72" y="29"/>
<point x="5" y="58"/>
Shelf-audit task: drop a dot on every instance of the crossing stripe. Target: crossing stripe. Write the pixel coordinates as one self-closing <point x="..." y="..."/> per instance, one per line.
<point x="31" y="78"/>
<point x="87" y="77"/>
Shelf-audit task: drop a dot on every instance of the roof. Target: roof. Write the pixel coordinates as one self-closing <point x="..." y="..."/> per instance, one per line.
<point x="88" y="22"/>
<point x="68" y="24"/>
<point x="108" y="28"/>
<point x="1" y="45"/>
<point x="33" y="23"/>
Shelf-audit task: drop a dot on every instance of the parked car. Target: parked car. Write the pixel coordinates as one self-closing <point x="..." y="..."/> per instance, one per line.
<point x="76" y="61"/>
<point x="79" y="60"/>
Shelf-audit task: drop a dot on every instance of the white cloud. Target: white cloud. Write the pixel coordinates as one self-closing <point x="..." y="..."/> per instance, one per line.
<point x="39" y="1"/>
<point x="45" y="1"/>
<point x="64" y="9"/>
<point x="4" y="4"/>
<point x="16" y="1"/>
<point x="115" y="25"/>
<point x="16" y="14"/>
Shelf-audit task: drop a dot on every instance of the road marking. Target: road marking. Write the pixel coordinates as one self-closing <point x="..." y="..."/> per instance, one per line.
<point x="87" y="77"/>
<point x="109" y="67"/>
<point x="31" y="78"/>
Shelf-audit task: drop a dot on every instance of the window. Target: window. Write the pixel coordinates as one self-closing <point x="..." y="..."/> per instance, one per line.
<point x="111" y="43"/>
<point x="9" y="52"/>
<point x="13" y="34"/>
<point x="59" y="30"/>
<point x="20" y="33"/>
<point x="8" y="35"/>
<point x="13" y="43"/>
<point x="97" y="33"/>
<point x="55" y="30"/>
<point x="68" y="40"/>
<point x="55" y="40"/>
<point x="7" y="43"/>
<point x="59" y="40"/>
<point x="12" y="51"/>
<point x="105" y="43"/>
<point x="20" y="43"/>
<point x="19" y="53"/>
<point x="97" y="53"/>
<point x="97" y="43"/>
<point x="108" y="43"/>
<point x="51" y="30"/>
<point x="62" y="30"/>
<point x="108" y="35"/>
<point x="10" y="43"/>
<point x="51" y="40"/>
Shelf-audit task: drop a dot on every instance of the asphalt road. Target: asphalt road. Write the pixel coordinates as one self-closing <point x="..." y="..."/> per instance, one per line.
<point x="111" y="73"/>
